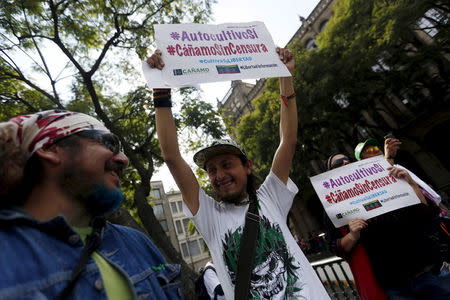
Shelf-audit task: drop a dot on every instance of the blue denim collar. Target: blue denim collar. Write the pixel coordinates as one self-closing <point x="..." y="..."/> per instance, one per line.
<point x="57" y="226"/>
<point x="15" y="213"/>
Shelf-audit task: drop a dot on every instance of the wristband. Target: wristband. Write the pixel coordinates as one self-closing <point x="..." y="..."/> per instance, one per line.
<point x="162" y="98"/>
<point x="284" y="98"/>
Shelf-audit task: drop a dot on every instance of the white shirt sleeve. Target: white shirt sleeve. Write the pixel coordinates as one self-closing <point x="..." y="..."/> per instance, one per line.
<point x="207" y="214"/>
<point x="281" y="195"/>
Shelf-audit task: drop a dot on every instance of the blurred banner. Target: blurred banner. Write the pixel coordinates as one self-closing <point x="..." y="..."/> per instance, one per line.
<point x="363" y="189"/>
<point x="199" y="53"/>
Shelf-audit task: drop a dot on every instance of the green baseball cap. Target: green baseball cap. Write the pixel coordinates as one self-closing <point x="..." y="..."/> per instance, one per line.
<point x="360" y="147"/>
<point x="217" y="147"/>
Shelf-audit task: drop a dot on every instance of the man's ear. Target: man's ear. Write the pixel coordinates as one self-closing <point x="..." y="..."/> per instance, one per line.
<point x="52" y="154"/>
<point x="249" y="165"/>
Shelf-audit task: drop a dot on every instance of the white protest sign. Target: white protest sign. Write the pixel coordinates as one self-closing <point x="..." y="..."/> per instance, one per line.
<point x="362" y="189"/>
<point x="200" y="53"/>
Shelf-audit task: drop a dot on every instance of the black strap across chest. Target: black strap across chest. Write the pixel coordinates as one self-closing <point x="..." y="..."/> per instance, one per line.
<point x="247" y="250"/>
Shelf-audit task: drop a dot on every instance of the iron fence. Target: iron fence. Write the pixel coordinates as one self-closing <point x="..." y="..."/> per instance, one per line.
<point x="337" y="278"/>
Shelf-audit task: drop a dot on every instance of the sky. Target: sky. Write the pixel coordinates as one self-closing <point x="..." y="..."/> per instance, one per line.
<point x="281" y="18"/>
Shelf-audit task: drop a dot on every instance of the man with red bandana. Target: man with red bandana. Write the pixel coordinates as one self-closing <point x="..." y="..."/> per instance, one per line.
<point x="59" y="175"/>
<point x="280" y="269"/>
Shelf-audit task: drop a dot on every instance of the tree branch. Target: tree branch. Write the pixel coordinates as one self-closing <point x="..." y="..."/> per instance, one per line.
<point x="47" y="70"/>
<point x="22" y="78"/>
<point x="57" y="40"/>
<point x="106" y="47"/>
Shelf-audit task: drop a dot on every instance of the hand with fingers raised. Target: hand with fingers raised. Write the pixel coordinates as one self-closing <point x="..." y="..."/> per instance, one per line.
<point x="155" y="60"/>
<point x="356" y="225"/>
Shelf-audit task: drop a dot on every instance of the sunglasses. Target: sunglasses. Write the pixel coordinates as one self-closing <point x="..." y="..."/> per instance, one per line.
<point x="372" y="149"/>
<point x="339" y="162"/>
<point x="109" y="140"/>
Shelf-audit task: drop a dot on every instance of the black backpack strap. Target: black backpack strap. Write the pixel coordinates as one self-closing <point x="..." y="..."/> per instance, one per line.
<point x="247" y="250"/>
<point x="93" y="241"/>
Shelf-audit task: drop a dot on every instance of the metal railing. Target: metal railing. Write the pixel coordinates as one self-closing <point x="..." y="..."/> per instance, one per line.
<point x="335" y="274"/>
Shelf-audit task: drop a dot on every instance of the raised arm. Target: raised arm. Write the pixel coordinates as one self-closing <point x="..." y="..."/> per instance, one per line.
<point x="168" y="141"/>
<point x="391" y="146"/>
<point x="282" y="160"/>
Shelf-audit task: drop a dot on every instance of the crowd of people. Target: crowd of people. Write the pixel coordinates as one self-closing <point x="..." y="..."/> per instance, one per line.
<point x="60" y="174"/>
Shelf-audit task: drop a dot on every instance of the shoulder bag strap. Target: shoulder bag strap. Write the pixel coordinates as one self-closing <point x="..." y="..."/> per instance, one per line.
<point x="93" y="241"/>
<point x="247" y="251"/>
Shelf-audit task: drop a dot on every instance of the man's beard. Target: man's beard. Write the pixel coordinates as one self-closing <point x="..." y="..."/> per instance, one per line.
<point x="235" y="198"/>
<point x="93" y="195"/>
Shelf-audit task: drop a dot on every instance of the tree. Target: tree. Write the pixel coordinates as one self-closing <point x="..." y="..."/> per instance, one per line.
<point x="75" y="54"/>
<point x="368" y="54"/>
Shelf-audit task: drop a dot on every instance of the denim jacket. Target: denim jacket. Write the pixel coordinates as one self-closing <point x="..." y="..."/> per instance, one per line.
<point x="37" y="259"/>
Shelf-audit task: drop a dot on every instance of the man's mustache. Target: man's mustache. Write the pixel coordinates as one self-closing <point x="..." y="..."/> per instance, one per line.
<point x="115" y="167"/>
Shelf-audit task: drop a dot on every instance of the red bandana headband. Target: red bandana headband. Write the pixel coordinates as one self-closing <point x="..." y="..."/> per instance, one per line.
<point x="39" y="130"/>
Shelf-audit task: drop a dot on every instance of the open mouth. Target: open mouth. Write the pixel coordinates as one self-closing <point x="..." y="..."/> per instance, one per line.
<point x="224" y="184"/>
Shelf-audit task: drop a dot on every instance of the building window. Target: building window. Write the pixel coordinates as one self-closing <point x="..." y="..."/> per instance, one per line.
<point x="191" y="248"/>
<point x="427" y="26"/>
<point x="322" y="25"/>
<point x="158" y="210"/>
<point x="185" y="224"/>
<point x="180" y="206"/>
<point x="174" y="207"/>
<point x="194" y="248"/>
<point x="164" y="225"/>
<point x="155" y="194"/>
<point x="185" y="250"/>
<point x="310" y="44"/>
<point x="203" y="245"/>
<point x="431" y="20"/>
<point x="179" y="227"/>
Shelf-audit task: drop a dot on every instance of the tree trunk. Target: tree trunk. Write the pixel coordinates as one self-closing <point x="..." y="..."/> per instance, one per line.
<point x="160" y="238"/>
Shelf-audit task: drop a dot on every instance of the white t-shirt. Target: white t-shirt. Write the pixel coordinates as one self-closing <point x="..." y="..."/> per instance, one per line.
<point x="282" y="270"/>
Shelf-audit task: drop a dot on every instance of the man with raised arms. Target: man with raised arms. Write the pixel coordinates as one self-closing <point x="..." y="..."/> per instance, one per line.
<point x="280" y="269"/>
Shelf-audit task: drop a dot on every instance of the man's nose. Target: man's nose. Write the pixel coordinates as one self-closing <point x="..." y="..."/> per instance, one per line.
<point x="121" y="158"/>
<point x="220" y="173"/>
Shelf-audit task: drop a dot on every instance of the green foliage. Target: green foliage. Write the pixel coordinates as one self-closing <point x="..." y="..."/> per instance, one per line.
<point x="200" y="119"/>
<point x="203" y="181"/>
<point x="258" y="131"/>
<point x="191" y="229"/>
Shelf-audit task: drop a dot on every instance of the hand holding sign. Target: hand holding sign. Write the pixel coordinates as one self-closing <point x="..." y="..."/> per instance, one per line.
<point x="356" y="225"/>
<point x="364" y="189"/>
<point x="287" y="57"/>
<point x="155" y="60"/>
